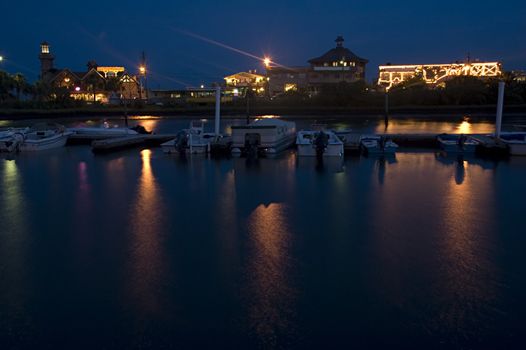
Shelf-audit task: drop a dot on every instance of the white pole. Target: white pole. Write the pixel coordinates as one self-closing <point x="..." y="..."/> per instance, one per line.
<point x="500" y="107"/>
<point x="218" y="109"/>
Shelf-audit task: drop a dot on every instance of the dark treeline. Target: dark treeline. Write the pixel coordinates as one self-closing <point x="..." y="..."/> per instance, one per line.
<point x="17" y="93"/>
<point x="458" y="91"/>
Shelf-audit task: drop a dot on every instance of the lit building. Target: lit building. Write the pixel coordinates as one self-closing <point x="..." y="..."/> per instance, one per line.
<point x="97" y="83"/>
<point x="335" y="66"/>
<point x="237" y="84"/>
<point x="519" y="76"/>
<point x="196" y="96"/>
<point x="436" y="74"/>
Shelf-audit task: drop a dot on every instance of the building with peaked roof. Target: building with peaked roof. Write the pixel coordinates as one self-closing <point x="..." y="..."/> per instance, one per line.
<point x="337" y="65"/>
<point x="97" y="83"/>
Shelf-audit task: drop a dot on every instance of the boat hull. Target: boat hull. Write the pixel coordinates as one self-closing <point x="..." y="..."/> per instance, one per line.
<point x="55" y="141"/>
<point x="268" y="137"/>
<point x="308" y="150"/>
<point x="517" y="149"/>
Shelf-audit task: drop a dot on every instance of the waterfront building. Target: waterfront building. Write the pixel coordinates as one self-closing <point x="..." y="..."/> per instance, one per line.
<point x="436" y="74"/>
<point x="237" y="84"/>
<point x="97" y="83"/>
<point x="519" y="76"/>
<point x="189" y="96"/>
<point x="337" y="65"/>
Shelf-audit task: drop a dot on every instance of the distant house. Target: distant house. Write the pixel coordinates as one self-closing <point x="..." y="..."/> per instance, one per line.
<point x="97" y="83"/>
<point x="335" y="66"/>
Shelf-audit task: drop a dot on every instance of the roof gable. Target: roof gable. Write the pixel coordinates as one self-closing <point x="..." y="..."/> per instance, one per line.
<point x="337" y="54"/>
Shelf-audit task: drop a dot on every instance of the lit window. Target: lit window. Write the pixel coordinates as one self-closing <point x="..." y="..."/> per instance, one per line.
<point x="291" y="87"/>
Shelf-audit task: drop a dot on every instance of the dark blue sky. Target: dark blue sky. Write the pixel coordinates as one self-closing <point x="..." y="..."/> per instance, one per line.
<point x="292" y="31"/>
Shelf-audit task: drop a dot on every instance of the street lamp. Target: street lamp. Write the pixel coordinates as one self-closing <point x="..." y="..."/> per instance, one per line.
<point x="142" y="70"/>
<point x="267" y="61"/>
<point x="1" y="58"/>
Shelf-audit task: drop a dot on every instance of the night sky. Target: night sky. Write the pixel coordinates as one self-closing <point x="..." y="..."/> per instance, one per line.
<point x="291" y="32"/>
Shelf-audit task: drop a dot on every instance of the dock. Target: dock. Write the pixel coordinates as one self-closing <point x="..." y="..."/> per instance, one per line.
<point x="489" y="144"/>
<point x="119" y="143"/>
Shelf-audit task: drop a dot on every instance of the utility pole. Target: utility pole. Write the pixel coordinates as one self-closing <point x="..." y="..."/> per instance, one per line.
<point x="386" y="106"/>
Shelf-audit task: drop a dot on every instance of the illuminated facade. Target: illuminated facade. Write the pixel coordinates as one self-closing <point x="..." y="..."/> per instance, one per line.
<point x="238" y="83"/>
<point x="335" y="66"/>
<point x="436" y="74"/>
<point x="97" y="83"/>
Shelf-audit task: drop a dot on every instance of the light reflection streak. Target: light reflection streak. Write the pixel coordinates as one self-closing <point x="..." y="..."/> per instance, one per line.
<point x="146" y="223"/>
<point x="436" y="127"/>
<point x="464" y="128"/>
<point x="272" y="295"/>
<point x="13" y="235"/>
<point x="466" y="266"/>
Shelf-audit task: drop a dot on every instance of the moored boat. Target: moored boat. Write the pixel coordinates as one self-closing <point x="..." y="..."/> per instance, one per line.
<point x="324" y="143"/>
<point x="454" y="143"/>
<point x="40" y="137"/>
<point x="195" y="141"/>
<point x="104" y="131"/>
<point x="375" y="144"/>
<point x="10" y="140"/>
<point x="263" y="136"/>
<point x="516" y="142"/>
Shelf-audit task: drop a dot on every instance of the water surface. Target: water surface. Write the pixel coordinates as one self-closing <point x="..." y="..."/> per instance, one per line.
<point x="141" y="249"/>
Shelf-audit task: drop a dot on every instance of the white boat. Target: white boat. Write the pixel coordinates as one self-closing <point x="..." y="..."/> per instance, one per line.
<point x="516" y="142"/>
<point x="453" y="143"/>
<point x="351" y="140"/>
<point x="10" y="140"/>
<point x="325" y="143"/>
<point x="263" y="136"/>
<point x="101" y="132"/>
<point x="40" y="137"/>
<point x="192" y="140"/>
<point x="375" y="144"/>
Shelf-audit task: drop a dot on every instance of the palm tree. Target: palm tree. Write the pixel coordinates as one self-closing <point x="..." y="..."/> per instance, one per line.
<point x="21" y="85"/>
<point x="7" y="85"/>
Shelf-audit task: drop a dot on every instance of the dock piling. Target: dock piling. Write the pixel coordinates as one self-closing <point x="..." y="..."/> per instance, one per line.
<point x="500" y="107"/>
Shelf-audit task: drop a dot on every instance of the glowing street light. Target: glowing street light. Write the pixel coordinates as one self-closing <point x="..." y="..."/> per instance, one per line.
<point x="1" y="58"/>
<point x="142" y="70"/>
<point x="267" y="61"/>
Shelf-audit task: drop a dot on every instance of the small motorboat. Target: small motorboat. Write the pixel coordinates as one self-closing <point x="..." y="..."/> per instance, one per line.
<point x="324" y="143"/>
<point x="105" y="131"/>
<point x="453" y="143"/>
<point x="516" y="142"/>
<point x="263" y="136"/>
<point x="195" y="141"/>
<point x="11" y="139"/>
<point x="40" y="137"/>
<point x="351" y="140"/>
<point x="375" y="144"/>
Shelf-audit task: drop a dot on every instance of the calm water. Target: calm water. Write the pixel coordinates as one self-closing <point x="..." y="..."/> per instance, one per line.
<point x="144" y="250"/>
<point x="420" y="124"/>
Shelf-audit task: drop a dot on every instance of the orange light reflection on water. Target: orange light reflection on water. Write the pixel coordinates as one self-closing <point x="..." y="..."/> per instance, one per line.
<point x="146" y="221"/>
<point x="270" y="312"/>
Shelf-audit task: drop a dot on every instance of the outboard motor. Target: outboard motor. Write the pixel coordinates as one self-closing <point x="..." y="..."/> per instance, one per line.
<point x="251" y="145"/>
<point x="321" y="141"/>
<point x="141" y="130"/>
<point x="462" y="140"/>
<point x="181" y="142"/>
<point x="13" y="144"/>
